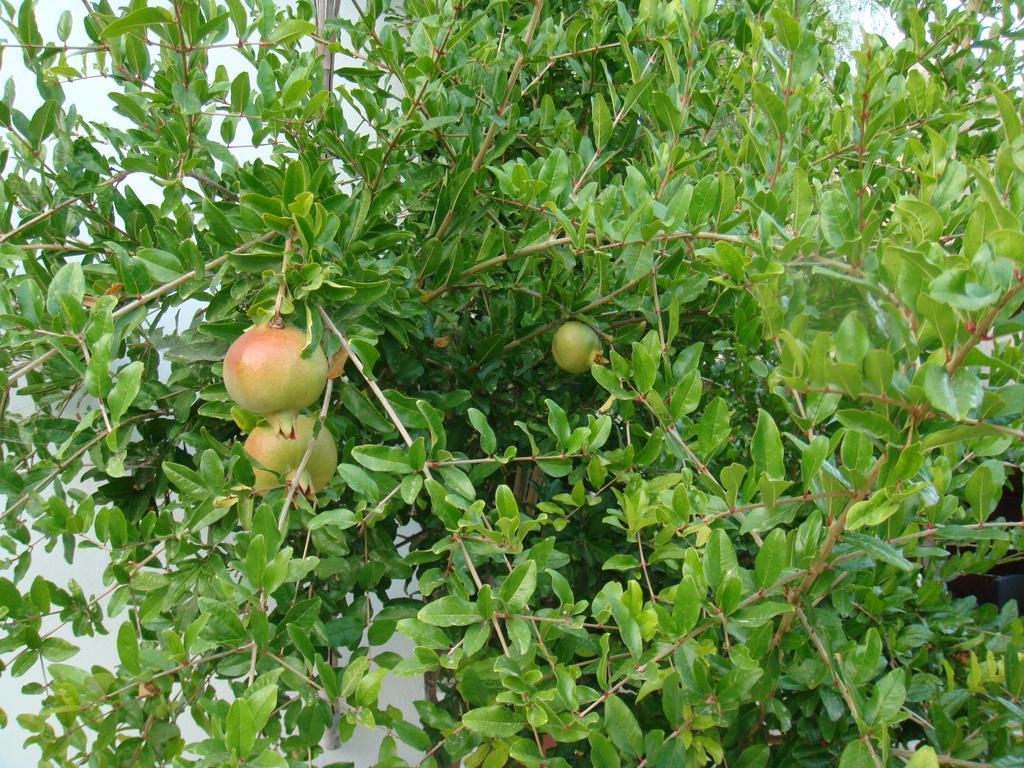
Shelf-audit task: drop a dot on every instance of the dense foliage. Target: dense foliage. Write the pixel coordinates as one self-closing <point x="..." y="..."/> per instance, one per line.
<point x="730" y="543"/>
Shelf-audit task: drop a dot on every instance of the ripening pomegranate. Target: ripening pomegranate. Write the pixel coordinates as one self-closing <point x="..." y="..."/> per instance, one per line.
<point x="575" y="347"/>
<point x="265" y="372"/>
<point x="279" y="456"/>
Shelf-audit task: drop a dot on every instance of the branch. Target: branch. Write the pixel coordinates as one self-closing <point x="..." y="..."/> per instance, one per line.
<point x="371" y="383"/>
<point x="492" y="128"/>
<point x="844" y="691"/>
<point x="983" y="327"/>
<point x="5" y="236"/>
<point x="282" y="520"/>
<point x="206" y="181"/>
<point x="142" y="301"/>
<point x="92" y="603"/>
<point x="63" y="465"/>
<point x="553" y="241"/>
<point x="582" y="310"/>
<point x="835" y="530"/>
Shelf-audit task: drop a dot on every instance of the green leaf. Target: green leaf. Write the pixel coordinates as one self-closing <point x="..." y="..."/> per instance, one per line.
<point x="771" y="559"/>
<point x="766" y="447"/>
<point x="256" y="560"/>
<point x="494" y="721"/>
<point x="924" y="757"/>
<point x="290" y="30"/>
<point x="686" y="604"/>
<point x="519" y="586"/>
<point x="601" y="121"/>
<point x="1007" y="244"/>
<point x="812" y="458"/>
<point x="786" y="28"/>
<point x="186" y="480"/>
<point x="704" y="200"/>
<point x="57" y="649"/>
<point x="772" y="106"/>
<point x="638" y="89"/>
<point x="880" y="550"/>
<point x="449" y="611"/>
<point x="873" y="511"/>
<point x="713" y="427"/>
<point x="856" y="755"/>
<point x="887" y="699"/>
<point x="852" y="342"/>
<point x="64" y="25"/>
<point x="1008" y="113"/>
<point x="645" y="368"/>
<point x="335" y="519"/>
<point x="28" y="28"/>
<point x="720" y="559"/>
<point x="602" y="752"/>
<point x="239" y="17"/>
<point x="760" y="613"/>
<point x="628" y="628"/>
<point x="43" y="123"/>
<point x="505" y="501"/>
<point x="869" y="422"/>
<point x="939" y="390"/>
<point x="557" y="421"/>
<point x="125" y="390"/>
<point x="128" y="647"/>
<point x="488" y="442"/>
<point x="353" y="674"/>
<point x="136" y="20"/>
<point x="66" y="291"/>
<point x="836" y="218"/>
<point x="240" y="729"/>
<point x="381" y="458"/>
<point x="921" y="220"/>
<point x="262" y="701"/>
<point x="622" y="727"/>
<point x="982" y="492"/>
<point x="687" y="393"/>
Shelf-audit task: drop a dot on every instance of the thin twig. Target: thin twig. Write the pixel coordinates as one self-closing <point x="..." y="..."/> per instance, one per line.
<point x="381" y="397"/>
<point x="143" y="300"/>
<point x="844" y="691"/>
<point x="283" y="287"/>
<point x="5" y="236"/>
<point x="293" y="485"/>
<point x="554" y="241"/>
<point x="492" y="128"/>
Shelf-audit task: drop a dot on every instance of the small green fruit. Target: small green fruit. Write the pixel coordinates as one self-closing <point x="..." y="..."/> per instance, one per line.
<point x="575" y="347"/>
<point x="265" y="373"/>
<point x="278" y="456"/>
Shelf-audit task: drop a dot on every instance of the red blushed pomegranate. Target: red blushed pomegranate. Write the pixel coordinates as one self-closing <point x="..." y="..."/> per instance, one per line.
<point x="265" y="372"/>
<point x="277" y="457"/>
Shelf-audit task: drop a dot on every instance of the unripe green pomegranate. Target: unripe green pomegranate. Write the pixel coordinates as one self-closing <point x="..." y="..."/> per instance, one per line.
<point x="265" y="372"/>
<point x="575" y="347"/>
<point x="278" y="456"/>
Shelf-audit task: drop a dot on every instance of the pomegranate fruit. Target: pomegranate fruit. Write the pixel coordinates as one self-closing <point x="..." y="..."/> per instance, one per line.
<point x="279" y="456"/>
<point x="265" y="372"/>
<point x="575" y="347"/>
